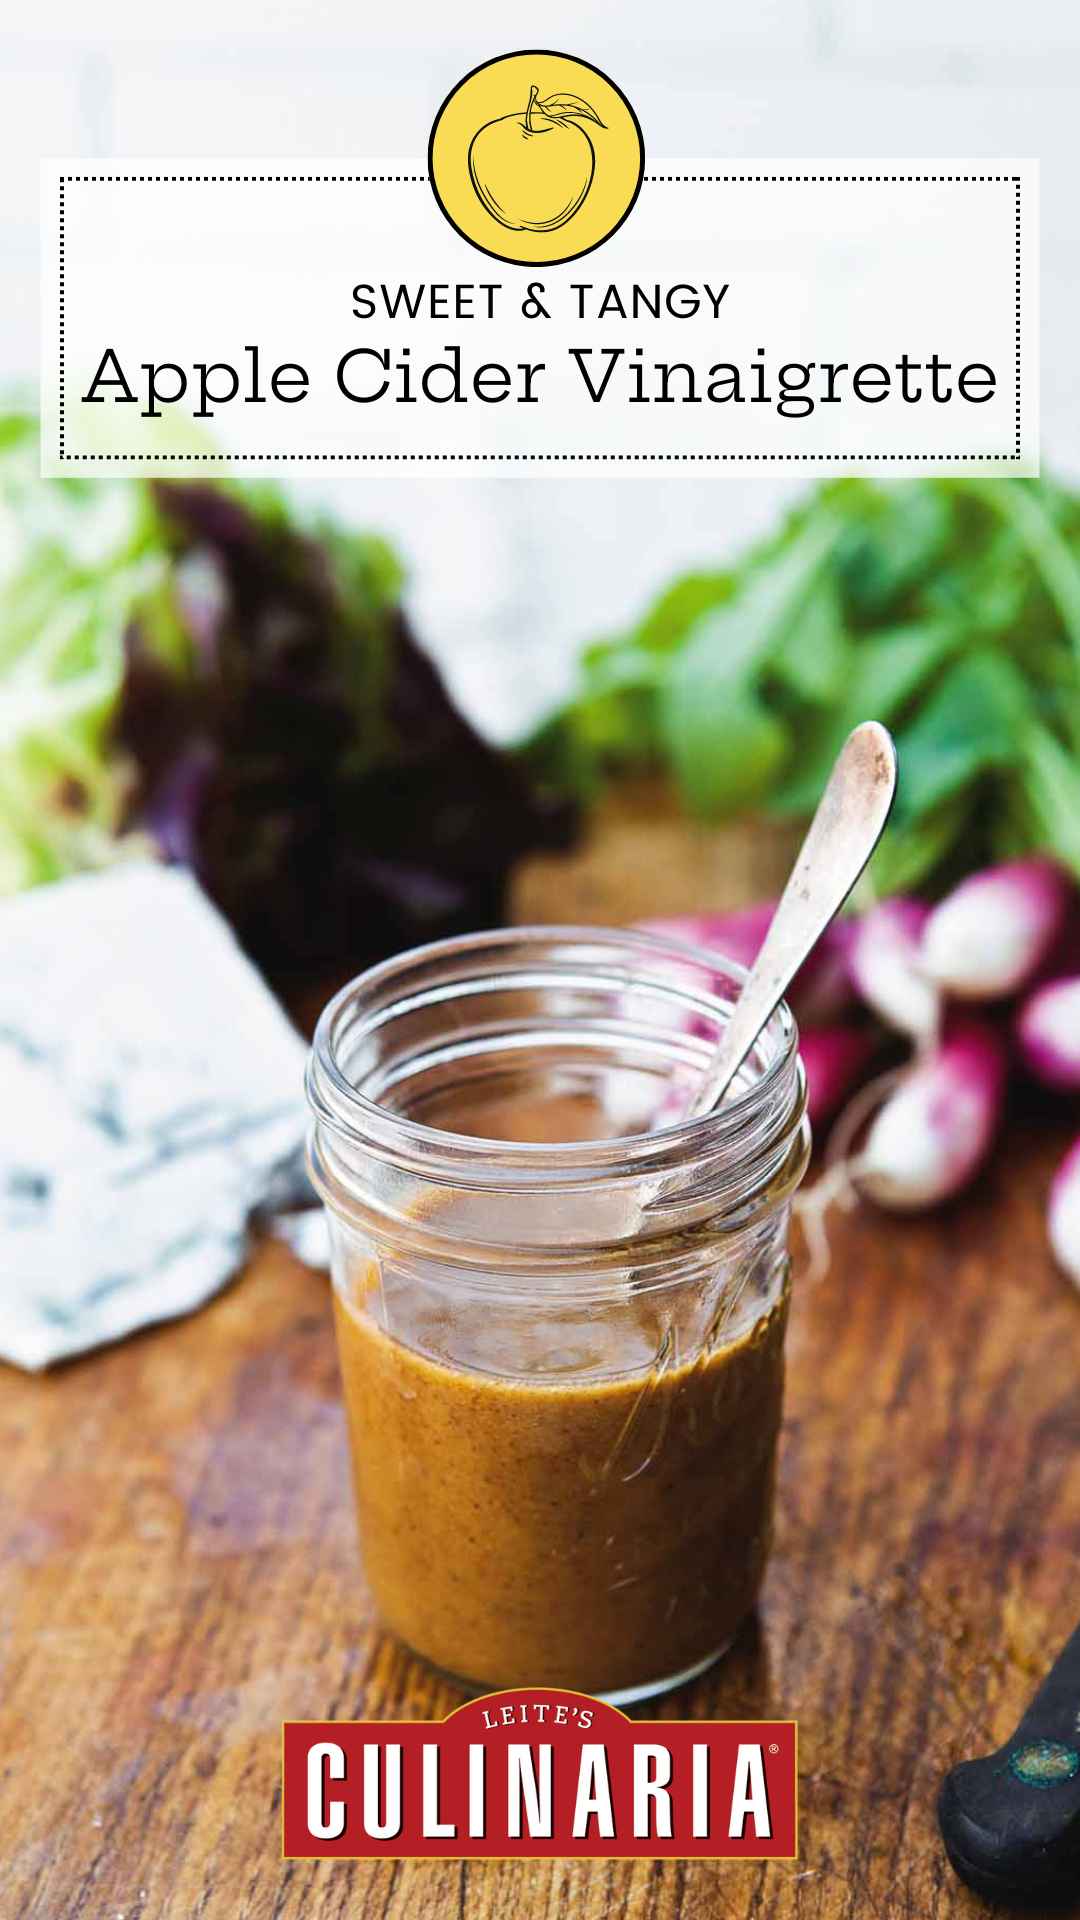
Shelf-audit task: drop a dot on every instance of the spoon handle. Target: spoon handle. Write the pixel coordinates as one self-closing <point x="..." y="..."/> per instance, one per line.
<point x="842" y="835"/>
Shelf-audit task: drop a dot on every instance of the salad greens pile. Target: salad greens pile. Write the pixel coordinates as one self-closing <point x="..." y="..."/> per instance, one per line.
<point x="949" y="609"/>
<point x="190" y="669"/>
<point x="73" y="559"/>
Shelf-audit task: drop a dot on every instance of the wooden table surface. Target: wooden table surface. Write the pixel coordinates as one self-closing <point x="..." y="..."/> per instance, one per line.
<point x="179" y="1572"/>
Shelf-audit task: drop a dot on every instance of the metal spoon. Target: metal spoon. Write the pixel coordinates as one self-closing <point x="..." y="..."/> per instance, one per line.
<point x="843" y="833"/>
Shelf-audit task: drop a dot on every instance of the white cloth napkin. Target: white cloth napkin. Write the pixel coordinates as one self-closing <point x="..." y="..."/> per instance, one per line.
<point x="151" y="1089"/>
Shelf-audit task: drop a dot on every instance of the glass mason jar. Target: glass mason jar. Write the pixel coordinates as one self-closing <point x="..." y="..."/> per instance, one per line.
<point x="560" y="1307"/>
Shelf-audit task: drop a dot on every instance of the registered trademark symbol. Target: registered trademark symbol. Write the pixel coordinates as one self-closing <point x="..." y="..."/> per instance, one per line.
<point x="774" y="1747"/>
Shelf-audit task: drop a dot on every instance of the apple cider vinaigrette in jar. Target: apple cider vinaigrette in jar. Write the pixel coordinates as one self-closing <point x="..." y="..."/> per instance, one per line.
<point x="560" y="1310"/>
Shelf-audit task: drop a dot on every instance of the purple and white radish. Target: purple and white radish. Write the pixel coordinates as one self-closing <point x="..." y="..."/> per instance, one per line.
<point x="1048" y="1034"/>
<point x="736" y="935"/>
<point x="886" y="967"/>
<point x="993" y="933"/>
<point x="821" y="990"/>
<point x="836" y="1061"/>
<point x="936" y="1128"/>
<point x="1063" y="1214"/>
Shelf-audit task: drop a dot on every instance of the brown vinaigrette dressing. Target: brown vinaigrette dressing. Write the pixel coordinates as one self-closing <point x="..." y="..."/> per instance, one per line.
<point x="520" y="1527"/>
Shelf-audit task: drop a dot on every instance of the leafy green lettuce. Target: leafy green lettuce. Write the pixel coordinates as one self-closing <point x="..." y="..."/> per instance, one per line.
<point x="75" y="557"/>
<point x="948" y="609"/>
<point x="193" y="669"/>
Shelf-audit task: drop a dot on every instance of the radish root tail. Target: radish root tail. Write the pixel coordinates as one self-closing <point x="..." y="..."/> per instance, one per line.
<point x="836" y="1186"/>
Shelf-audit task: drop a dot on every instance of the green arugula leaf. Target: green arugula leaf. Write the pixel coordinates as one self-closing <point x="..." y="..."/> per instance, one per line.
<point x="884" y="675"/>
<point x="893" y="540"/>
<point x="949" y="609"/>
<point x="725" y="753"/>
<point x="744" y="634"/>
<point x="708" y="693"/>
<point x="1059" y="567"/>
<point x="1051" y="785"/>
<point x="671" y="617"/>
<point x="814" y="660"/>
<point x="971" y="723"/>
<point x="908" y="855"/>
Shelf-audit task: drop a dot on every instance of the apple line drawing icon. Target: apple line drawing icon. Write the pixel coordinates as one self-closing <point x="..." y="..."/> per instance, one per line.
<point x="532" y="170"/>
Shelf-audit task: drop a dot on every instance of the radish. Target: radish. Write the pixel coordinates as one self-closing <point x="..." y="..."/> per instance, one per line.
<point x="1063" y="1215"/>
<point x="835" y="1060"/>
<point x="935" y="1130"/>
<point x="820" y="991"/>
<point x="991" y="935"/>
<point x="736" y="935"/>
<point x="887" y="971"/>
<point x="1048" y="1034"/>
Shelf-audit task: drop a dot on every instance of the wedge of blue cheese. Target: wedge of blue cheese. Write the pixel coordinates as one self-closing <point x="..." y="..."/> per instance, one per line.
<point x="152" y="1088"/>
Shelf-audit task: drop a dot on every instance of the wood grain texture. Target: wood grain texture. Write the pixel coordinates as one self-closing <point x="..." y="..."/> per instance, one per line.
<point x="640" y="855"/>
<point x="180" y="1572"/>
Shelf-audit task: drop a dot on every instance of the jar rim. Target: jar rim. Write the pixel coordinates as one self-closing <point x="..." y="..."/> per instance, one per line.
<point x="342" y="1107"/>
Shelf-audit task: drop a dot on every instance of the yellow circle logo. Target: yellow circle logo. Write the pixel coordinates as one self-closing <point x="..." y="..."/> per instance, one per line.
<point x="536" y="157"/>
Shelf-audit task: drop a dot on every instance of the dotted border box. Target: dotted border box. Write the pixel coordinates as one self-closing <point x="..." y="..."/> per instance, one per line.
<point x="652" y="179"/>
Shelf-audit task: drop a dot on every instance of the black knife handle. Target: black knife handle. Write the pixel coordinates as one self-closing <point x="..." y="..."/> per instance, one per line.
<point x="1011" y="1821"/>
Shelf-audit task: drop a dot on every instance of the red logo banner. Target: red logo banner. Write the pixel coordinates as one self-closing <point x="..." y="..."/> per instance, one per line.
<point x="539" y="1773"/>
